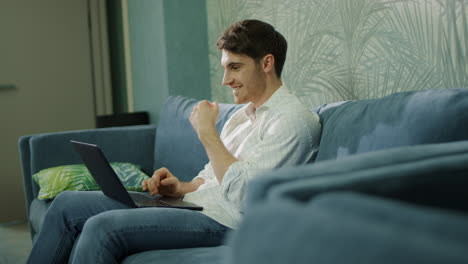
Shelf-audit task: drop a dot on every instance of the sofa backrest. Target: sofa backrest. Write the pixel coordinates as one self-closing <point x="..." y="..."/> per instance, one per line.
<point x="177" y="147"/>
<point x="401" y="119"/>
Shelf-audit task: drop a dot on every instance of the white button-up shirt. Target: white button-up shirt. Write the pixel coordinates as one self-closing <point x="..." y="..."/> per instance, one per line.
<point x="281" y="132"/>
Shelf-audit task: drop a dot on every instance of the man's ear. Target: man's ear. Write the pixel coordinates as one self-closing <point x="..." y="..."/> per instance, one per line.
<point x="268" y="63"/>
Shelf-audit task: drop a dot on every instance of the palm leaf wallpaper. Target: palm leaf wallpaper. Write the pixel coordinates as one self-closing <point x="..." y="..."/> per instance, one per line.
<point x="355" y="49"/>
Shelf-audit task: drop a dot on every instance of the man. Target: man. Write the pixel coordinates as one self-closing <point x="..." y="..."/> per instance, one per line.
<point x="273" y="129"/>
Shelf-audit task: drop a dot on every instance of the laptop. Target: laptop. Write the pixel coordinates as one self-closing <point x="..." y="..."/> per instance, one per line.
<point x="111" y="186"/>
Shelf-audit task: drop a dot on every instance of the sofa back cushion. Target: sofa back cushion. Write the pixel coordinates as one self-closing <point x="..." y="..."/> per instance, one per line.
<point x="177" y="146"/>
<point x="401" y="119"/>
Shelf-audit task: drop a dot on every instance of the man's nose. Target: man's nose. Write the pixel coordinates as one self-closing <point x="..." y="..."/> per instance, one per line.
<point x="227" y="79"/>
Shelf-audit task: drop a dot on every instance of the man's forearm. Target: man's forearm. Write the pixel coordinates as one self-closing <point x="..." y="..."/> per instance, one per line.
<point x="219" y="156"/>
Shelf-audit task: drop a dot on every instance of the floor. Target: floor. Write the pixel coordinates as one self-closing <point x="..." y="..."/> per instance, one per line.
<point x="15" y="242"/>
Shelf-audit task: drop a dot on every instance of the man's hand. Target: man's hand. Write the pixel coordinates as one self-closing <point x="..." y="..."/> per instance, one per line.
<point x="203" y="120"/>
<point x="164" y="183"/>
<point x="203" y="117"/>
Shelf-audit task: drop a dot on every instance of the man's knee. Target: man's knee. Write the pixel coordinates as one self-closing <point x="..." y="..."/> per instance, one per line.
<point x="97" y="231"/>
<point x="66" y="206"/>
<point x="99" y="239"/>
<point x="99" y="226"/>
<point x="66" y="195"/>
<point x="62" y="202"/>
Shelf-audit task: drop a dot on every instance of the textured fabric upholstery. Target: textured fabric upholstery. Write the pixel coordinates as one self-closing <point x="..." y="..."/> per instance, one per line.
<point x="131" y="144"/>
<point x="349" y="228"/>
<point x="402" y="119"/>
<point x="432" y="175"/>
<point x="177" y="146"/>
<point x="37" y="213"/>
<point x="411" y="209"/>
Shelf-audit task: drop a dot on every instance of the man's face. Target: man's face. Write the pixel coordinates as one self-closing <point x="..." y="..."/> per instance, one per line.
<point x="244" y="76"/>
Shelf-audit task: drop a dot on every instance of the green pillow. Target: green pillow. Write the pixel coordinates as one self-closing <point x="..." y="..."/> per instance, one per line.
<point x="54" y="180"/>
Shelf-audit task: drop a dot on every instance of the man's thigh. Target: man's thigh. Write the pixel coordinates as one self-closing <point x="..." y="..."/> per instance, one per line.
<point x="112" y="235"/>
<point x="77" y="206"/>
<point x="157" y="228"/>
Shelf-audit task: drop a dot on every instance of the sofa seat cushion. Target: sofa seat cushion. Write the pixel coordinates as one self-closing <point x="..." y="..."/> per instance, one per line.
<point x="212" y="255"/>
<point x="177" y="146"/>
<point x="401" y="119"/>
<point x="37" y="213"/>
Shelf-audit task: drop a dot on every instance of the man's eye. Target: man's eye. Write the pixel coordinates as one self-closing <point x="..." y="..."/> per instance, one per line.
<point x="235" y="68"/>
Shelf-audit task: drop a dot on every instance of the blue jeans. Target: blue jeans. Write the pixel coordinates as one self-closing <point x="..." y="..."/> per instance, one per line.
<point x="102" y="230"/>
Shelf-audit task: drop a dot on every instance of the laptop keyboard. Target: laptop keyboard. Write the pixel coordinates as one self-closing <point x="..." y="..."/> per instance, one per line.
<point x="146" y="200"/>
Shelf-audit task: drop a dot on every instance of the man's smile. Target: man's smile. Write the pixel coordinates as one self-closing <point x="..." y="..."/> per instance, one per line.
<point x="235" y="89"/>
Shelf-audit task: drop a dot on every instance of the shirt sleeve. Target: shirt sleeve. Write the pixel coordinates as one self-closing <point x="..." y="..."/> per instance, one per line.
<point x="285" y="141"/>
<point x="207" y="174"/>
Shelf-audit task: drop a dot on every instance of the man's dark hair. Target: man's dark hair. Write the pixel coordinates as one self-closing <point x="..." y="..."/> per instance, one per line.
<point x="255" y="39"/>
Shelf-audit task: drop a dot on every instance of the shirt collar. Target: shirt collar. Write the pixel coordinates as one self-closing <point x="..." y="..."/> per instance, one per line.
<point x="250" y="111"/>
<point x="276" y="98"/>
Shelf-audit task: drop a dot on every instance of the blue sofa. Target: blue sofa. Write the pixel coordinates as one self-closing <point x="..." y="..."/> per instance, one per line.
<point x="389" y="184"/>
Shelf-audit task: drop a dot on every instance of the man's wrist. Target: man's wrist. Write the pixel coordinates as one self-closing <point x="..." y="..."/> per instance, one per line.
<point x="208" y="135"/>
<point x="188" y="187"/>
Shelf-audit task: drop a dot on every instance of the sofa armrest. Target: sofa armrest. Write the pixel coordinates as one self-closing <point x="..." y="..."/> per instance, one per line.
<point x="345" y="227"/>
<point x="25" y="159"/>
<point x="360" y="209"/>
<point x="133" y="144"/>
<point x="430" y="175"/>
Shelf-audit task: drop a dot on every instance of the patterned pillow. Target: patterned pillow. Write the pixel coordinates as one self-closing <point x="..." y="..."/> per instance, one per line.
<point x="54" y="180"/>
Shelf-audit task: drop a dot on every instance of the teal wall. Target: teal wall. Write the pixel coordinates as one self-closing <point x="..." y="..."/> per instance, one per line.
<point x="355" y="49"/>
<point x="148" y="56"/>
<point x="187" y="48"/>
<point x="169" y="52"/>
